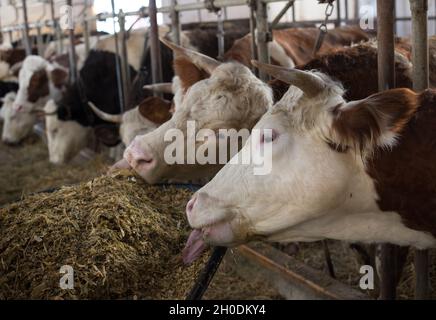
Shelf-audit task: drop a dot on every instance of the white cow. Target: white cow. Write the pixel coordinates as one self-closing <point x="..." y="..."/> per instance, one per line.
<point x="214" y="96"/>
<point x="353" y="171"/>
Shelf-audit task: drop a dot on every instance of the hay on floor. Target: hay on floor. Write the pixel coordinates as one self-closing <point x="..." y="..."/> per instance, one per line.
<point x="122" y="237"/>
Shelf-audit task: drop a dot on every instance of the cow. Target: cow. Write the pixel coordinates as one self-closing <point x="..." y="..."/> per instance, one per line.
<point x="294" y="46"/>
<point x="357" y="171"/>
<point x="69" y="118"/>
<point x="39" y="81"/>
<point x="234" y="88"/>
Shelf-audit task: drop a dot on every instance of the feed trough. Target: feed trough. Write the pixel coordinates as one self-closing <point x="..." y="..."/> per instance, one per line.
<point x="121" y="238"/>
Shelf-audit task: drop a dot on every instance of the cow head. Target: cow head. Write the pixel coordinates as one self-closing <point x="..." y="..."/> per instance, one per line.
<point x="38" y="81"/>
<point x="318" y="187"/>
<point x="215" y="96"/>
<point x="65" y="139"/>
<point x="146" y="117"/>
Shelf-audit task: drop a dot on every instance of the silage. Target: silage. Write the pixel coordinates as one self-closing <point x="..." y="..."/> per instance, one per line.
<point x="122" y="238"/>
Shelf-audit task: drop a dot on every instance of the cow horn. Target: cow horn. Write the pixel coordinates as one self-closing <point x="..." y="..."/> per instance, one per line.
<point x="200" y="60"/>
<point x="308" y="82"/>
<point x="164" y="87"/>
<point x="114" y="118"/>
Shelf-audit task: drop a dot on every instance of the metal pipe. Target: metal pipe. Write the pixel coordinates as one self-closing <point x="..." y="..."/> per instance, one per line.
<point x="85" y="26"/>
<point x="175" y="23"/>
<point x="220" y="35"/>
<point x="420" y="61"/>
<point x="27" y="45"/>
<point x="253" y="38"/>
<point x="263" y="36"/>
<point x="118" y="70"/>
<point x="347" y="16"/>
<point x="39" y="41"/>
<point x="386" y="80"/>
<point x="72" y="49"/>
<point x="282" y="12"/>
<point x="338" y="13"/>
<point x="156" y="62"/>
<point x="124" y="56"/>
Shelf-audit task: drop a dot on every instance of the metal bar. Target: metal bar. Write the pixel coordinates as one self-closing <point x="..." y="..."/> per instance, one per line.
<point x="156" y="62"/>
<point x="72" y="50"/>
<point x="207" y="274"/>
<point x="282" y="12"/>
<point x="220" y="34"/>
<point x="262" y="36"/>
<point x="125" y="69"/>
<point x="253" y="38"/>
<point x="85" y="26"/>
<point x="420" y="61"/>
<point x="338" y="13"/>
<point x="118" y="63"/>
<point x="175" y="23"/>
<point x="27" y="45"/>
<point x="347" y="15"/>
<point x="386" y="80"/>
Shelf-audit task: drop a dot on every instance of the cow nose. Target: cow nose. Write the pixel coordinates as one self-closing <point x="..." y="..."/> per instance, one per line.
<point x="138" y="157"/>
<point x="190" y="206"/>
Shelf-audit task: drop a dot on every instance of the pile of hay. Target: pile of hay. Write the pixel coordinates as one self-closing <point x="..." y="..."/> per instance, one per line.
<point x="25" y="169"/>
<point x="122" y="238"/>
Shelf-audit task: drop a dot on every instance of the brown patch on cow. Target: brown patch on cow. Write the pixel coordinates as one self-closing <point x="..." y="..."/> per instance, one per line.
<point x="404" y="176"/>
<point x="361" y="123"/>
<point x="12" y="56"/>
<point x="59" y="77"/>
<point x="188" y="72"/>
<point x="38" y="86"/>
<point x="155" y="109"/>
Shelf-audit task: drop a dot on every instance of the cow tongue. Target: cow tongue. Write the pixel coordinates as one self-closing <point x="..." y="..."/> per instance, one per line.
<point x="194" y="247"/>
<point x="122" y="164"/>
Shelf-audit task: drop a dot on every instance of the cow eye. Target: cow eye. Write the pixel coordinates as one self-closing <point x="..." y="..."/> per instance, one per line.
<point x="54" y="131"/>
<point x="268" y="138"/>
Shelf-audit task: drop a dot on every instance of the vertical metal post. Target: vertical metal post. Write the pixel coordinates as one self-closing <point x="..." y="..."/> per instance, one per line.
<point x="27" y="45"/>
<point x="386" y="80"/>
<point x="347" y="16"/>
<point x="420" y="61"/>
<point x="156" y="63"/>
<point x="124" y="57"/>
<point x="85" y="27"/>
<point x="175" y="22"/>
<point x="220" y="34"/>
<point x="118" y="70"/>
<point x="72" y="49"/>
<point x="356" y="9"/>
<point x="263" y="36"/>
<point x="253" y="33"/>
<point x="338" y="13"/>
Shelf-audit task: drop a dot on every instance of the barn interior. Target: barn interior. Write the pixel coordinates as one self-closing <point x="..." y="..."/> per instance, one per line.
<point x="75" y="204"/>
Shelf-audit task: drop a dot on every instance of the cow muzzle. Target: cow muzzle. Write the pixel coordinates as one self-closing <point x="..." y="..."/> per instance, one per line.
<point x="212" y="226"/>
<point x="140" y="159"/>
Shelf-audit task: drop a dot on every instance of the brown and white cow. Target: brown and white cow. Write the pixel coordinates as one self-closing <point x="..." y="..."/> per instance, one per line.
<point x="39" y="81"/>
<point x="294" y="46"/>
<point x="359" y="171"/>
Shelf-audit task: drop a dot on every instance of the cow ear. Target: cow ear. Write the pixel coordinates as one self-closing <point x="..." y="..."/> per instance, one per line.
<point x="59" y="77"/>
<point x="188" y="72"/>
<point x="38" y="86"/>
<point x="155" y="109"/>
<point x="374" y="121"/>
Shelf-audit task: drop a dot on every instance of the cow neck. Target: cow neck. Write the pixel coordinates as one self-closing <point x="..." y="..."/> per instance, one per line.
<point x="403" y="175"/>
